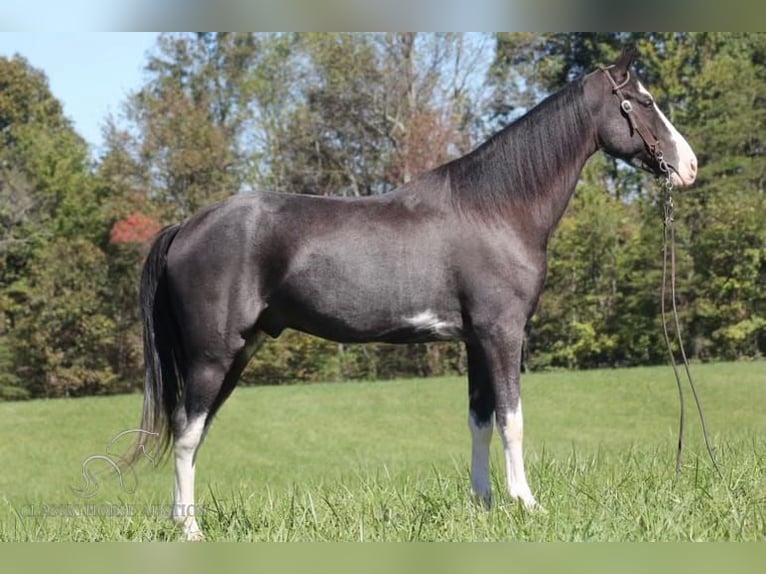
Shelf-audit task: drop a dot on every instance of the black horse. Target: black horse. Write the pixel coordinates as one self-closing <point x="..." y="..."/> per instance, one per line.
<point x="459" y="253"/>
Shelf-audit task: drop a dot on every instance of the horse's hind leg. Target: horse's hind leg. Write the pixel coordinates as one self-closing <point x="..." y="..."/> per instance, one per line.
<point x="207" y="386"/>
<point x="188" y="432"/>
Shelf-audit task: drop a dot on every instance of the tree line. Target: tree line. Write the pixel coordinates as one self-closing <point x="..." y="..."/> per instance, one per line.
<point x="359" y="114"/>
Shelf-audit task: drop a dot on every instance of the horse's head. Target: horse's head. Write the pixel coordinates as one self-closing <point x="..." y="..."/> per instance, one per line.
<point x="630" y="126"/>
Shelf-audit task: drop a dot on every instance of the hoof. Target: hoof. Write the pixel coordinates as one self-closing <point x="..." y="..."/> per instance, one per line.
<point x="191" y="532"/>
<point x="525" y="497"/>
<point x="195" y="536"/>
<point x="530" y="505"/>
<point x="484" y="500"/>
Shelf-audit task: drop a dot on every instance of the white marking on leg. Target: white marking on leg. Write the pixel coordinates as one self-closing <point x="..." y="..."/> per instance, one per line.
<point x="481" y="435"/>
<point x="687" y="161"/>
<point x="185" y="447"/>
<point x="513" y="435"/>
<point x="428" y="321"/>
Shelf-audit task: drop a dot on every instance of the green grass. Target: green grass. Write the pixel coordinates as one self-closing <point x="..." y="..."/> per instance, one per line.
<point x="389" y="461"/>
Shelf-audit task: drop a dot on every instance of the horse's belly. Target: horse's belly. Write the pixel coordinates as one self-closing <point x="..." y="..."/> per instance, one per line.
<point x="418" y="328"/>
<point x="364" y="316"/>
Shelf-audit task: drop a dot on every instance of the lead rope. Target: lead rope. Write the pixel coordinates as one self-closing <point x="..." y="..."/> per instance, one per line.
<point x="667" y="225"/>
<point x="669" y="238"/>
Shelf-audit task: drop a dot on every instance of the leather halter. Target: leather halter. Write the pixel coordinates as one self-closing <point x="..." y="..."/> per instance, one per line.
<point x="636" y="123"/>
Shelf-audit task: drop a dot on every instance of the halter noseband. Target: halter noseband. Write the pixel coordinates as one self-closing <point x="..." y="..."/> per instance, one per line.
<point x="652" y="143"/>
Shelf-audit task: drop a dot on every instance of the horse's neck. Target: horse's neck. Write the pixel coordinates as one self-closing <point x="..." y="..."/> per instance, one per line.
<point x="554" y="177"/>
<point x="562" y="188"/>
<point x="525" y="174"/>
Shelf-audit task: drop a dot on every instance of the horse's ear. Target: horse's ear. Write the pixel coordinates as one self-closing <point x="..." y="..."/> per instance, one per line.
<point x="625" y="60"/>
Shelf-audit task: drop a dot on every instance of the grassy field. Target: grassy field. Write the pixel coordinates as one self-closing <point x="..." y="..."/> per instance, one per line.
<point x="389" y="461"/>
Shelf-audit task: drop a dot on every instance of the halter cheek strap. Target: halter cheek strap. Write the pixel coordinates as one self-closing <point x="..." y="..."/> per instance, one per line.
<point x="652" y="143"/>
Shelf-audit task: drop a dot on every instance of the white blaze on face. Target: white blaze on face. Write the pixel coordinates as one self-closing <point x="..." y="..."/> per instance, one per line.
<point x="686" y="170"/>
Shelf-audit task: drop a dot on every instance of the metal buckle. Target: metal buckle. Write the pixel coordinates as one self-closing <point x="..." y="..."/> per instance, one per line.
<point x="626" y="106"/>
<point x="661" y="162"/>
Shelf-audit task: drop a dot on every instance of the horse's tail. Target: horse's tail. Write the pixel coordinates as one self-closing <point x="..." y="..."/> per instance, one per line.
<point x="163" y="383"/>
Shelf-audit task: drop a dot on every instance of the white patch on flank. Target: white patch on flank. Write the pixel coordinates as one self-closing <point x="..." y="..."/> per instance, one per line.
<point x="516" y="478"/>
<point x="687" y="161"/>
<point x="428" y="321"/>
<point x="481" y="436"/>
<point x="184" y="448"/>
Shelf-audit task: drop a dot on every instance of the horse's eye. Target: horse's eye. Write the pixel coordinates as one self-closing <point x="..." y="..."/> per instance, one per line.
<point x="647" y="103"/>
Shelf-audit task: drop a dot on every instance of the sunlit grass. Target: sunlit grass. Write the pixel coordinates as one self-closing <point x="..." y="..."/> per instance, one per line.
<point x="389" y="461"/>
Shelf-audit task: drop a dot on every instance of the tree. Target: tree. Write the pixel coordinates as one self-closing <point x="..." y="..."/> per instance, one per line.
<point x="53" y="223"/>
<point x="62" y="343"/>
<point x="189" y="120"/>
<point x="356" y="114"/>
<point x="726" y="223"/>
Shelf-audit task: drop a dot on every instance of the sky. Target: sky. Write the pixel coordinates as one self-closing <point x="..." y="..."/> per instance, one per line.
<point x="90" y="73"/>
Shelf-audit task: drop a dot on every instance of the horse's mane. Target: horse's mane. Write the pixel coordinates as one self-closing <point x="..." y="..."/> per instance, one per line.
<point x="521" y="162"/>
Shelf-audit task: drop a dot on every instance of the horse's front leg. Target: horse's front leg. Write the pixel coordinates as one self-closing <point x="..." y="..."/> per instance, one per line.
<point x="481" y="403"/>
<point x="501" y="345"/>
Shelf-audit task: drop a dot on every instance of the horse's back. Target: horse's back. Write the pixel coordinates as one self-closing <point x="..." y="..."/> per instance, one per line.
<point x="346" y="269"/>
